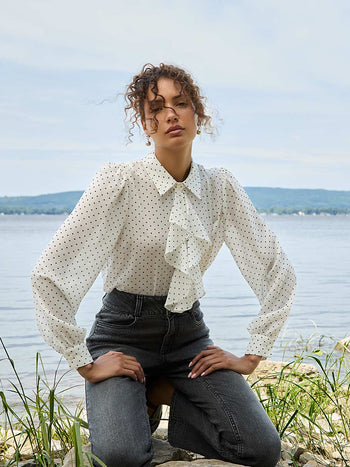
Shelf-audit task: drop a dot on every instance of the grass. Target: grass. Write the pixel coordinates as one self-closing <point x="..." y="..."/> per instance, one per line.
<point x="40" y="426"/>
<point x="310" y="409"/>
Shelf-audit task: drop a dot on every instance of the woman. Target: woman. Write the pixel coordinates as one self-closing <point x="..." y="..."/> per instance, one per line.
<point x="153" y="226"/>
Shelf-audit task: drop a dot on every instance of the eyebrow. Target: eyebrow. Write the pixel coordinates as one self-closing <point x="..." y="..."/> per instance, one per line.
<point x="157" y="100"/>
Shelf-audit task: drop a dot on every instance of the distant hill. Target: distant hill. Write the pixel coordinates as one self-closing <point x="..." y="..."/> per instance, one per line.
<point x="265" y="199"/>
<point x="53" y="203"/>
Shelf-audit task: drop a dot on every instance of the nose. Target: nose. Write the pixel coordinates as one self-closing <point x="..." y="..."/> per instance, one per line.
<point x="170" y="114"/>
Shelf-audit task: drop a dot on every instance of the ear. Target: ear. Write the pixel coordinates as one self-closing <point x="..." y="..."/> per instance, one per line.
<point x="143" y="125"/>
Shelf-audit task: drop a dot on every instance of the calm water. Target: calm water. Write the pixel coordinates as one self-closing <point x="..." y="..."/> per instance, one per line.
<point x="319" y="248"/>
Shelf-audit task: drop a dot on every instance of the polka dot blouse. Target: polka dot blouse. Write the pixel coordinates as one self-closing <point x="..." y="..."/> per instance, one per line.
<point x="149" y="234"/>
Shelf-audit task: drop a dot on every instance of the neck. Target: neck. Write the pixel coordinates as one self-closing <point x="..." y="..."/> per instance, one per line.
<point x="177" y="162"/>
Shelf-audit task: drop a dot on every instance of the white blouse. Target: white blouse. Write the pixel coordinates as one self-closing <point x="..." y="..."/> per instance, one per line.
<point x="149" y="234"/>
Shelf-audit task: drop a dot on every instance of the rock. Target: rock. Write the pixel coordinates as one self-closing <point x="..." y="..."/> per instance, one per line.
<point x="164" y="452"/>
<point x="9" y="453"/>
<point x="315" y="464"/>
<point x="342" y="345"/>
<point x="306" y="457"/>
<point x="286" y="452"/>
<point x="336" y="455"/>
<point x="267" y="368"/>
<point x="324" y="424"/>
<point x="162" y="430"/>
<point x="161" y="433"/>
<point x="297" y="451"/>
<point x="26" y="452"/>
<point x="69" y="460"/>
<point x="202" y="463"/>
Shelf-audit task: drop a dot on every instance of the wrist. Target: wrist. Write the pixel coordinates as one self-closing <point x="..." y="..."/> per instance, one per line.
<point x="85" y="370"/>
<point x="253" y="358"/>
<point x="252" y="361"/>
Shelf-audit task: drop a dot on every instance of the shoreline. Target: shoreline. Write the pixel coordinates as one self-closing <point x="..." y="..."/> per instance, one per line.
<point x="263" y="213"/>
<point x="272" y="380"/>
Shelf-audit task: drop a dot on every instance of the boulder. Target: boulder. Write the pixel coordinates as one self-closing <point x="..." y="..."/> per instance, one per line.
<point x="163" y="452"/>
<point x="202" y="463"/>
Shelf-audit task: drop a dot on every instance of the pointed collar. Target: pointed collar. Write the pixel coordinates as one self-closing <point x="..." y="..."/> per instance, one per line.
<point x="164" y="181"/>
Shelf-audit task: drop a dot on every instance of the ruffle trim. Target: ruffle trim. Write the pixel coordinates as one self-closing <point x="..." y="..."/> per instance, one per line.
<point x="186" y="244"/>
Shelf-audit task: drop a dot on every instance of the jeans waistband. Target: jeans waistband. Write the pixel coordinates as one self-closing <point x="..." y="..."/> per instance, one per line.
<point x="135" y="301"/>
<point x="122" y="293"/>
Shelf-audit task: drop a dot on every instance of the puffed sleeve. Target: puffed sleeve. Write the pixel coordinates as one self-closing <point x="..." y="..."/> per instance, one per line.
<point x="73" y="259"/>
<point x="262" y="262"/>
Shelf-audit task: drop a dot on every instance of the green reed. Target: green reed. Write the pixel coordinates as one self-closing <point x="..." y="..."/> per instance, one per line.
<point x="313" y="409"/>
<point x="41" y="421"/>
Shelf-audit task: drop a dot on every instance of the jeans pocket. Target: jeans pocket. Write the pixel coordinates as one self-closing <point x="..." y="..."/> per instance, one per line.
<point x="197" y="315"/>
<point x="115" y="317"/>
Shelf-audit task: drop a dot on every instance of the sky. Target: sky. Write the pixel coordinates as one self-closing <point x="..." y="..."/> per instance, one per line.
<point x="275" y="74"/>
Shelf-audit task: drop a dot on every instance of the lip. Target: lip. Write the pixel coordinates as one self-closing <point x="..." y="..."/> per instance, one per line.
<point x="175" y="130"/>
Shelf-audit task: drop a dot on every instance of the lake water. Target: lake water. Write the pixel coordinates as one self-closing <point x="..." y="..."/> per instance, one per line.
<point x="318" y="246"/>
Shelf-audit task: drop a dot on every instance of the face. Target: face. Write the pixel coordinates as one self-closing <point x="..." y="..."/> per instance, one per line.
<point x="176" y="109"/>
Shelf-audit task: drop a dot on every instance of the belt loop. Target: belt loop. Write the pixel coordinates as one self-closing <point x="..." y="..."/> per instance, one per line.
<point x="138" y="305"/>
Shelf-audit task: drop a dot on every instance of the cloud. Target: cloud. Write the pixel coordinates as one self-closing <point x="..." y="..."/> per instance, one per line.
<point x="277" y="72"/>
<point x="261" y="44"/>
<point x="255" y="154"/>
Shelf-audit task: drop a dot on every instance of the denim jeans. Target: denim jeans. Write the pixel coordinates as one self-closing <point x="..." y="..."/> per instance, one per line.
<point x="216" y="415"/>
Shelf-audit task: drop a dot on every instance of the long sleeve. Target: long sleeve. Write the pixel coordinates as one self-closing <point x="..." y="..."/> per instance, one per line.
<point x="73" y="259"/>
<point x="262" y="262"/>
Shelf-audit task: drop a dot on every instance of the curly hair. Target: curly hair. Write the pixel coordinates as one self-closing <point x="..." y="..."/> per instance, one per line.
<point x="136" y="94"/>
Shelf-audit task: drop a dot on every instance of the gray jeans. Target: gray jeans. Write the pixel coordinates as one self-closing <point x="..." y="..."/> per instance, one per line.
<point x="216" y="415"/>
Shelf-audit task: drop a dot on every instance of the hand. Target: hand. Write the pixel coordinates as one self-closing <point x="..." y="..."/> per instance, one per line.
<point x="216" y="358"/>
<point x="112" y="364"/>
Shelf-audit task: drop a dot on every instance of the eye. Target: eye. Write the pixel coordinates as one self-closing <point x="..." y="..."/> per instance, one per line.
<point x="182" y="104"/>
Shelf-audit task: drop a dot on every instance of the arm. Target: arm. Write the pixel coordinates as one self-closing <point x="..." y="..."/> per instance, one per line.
<point x="73" y="259"/>
<point x="262" y="262"/>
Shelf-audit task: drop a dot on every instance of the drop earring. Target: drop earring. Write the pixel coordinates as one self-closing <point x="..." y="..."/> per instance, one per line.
<point x="148" y="141"/>
<point x="198" y="131"/>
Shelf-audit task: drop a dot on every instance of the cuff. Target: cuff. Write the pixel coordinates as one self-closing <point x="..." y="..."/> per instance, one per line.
<point x="260" y="344"/>
<point x="77" y="356"/>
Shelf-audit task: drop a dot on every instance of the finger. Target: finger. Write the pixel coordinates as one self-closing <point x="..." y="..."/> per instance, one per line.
<point x="136" y="367"/>
<point x="209" y="370"/>
<point x="214" y="365"/>
<point x="201" y="354"/>
<point x="130" y="373"/>
<point x="130" y="358"/>
<point x="205" y="364"/>
<point x="136" y="376"/>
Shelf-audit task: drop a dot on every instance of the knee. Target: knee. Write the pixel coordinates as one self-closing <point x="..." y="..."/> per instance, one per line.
<point x="259" y="450"/>
<point x="115" y="456"/>
<point x="266" y="450"/>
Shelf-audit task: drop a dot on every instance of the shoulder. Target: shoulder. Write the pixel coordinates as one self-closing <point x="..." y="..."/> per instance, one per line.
<point x="112" y="169"/>
<point x="114" y="174"/>
<point x="220" y="177"/>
